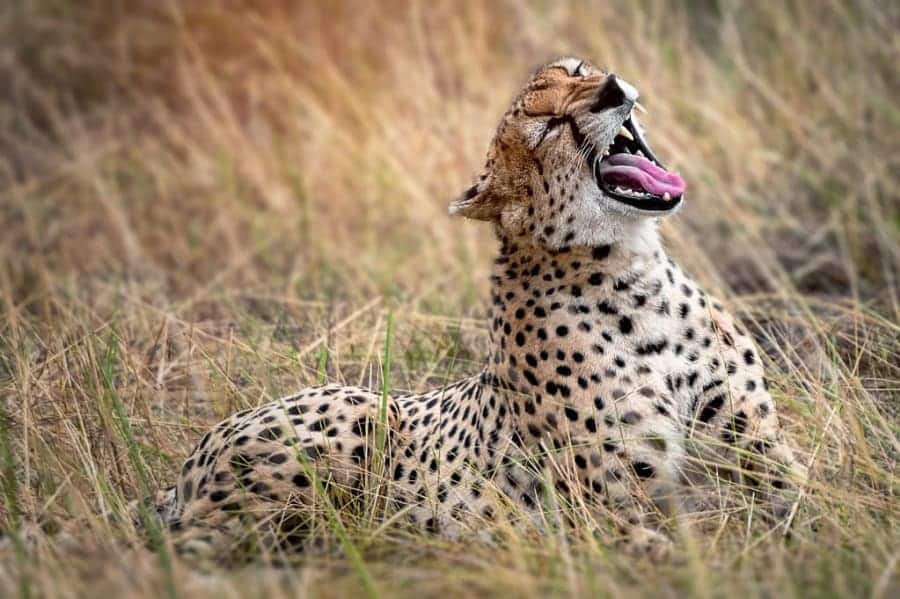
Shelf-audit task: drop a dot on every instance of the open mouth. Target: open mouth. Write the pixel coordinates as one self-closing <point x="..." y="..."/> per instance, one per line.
<point x="630" y="172"/>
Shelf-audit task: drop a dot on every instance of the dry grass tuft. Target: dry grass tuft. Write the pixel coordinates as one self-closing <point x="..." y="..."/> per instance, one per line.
<point x="207" y="204"/>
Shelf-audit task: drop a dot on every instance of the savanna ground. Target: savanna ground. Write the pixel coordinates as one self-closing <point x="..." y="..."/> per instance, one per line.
<point x="206" y="205"/>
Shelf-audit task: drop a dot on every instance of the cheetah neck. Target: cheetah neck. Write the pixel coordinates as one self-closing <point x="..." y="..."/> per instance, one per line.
<point x="565" y="303"/>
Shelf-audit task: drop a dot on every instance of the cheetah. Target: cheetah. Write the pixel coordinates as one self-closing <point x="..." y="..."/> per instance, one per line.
<point x="609" y="370"/>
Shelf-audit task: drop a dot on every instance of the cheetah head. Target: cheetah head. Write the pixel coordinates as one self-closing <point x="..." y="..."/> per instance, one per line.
<point x="570" y="164"/>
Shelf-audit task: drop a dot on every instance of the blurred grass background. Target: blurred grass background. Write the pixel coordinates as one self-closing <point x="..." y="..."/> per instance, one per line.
<point x="207" y="204"/>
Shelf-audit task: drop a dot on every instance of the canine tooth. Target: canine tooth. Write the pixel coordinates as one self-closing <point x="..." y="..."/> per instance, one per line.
<point x="667" y="196"/>
<point x="640" y="107"/>
<point x="626" y="133"/>
<point x="640" y="153"/>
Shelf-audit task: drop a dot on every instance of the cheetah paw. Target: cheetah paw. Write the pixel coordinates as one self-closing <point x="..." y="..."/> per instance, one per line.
<point x="645" y="542"/>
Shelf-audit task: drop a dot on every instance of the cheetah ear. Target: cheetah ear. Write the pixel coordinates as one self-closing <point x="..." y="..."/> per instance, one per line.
<point x="478" y="201"/>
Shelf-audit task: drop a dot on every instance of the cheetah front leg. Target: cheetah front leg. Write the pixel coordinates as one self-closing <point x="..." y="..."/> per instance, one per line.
<point x="765" y="462"/>
<point x="734" y="408"/>
<point x="631" y="466"/>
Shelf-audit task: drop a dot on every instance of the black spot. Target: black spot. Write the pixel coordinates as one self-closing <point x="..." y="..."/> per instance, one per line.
<point x="241" y="463"/>
<point x="363" y="427"/>
<point x="657" y="347"/>
<point x="320" y="425"/>
<point x="314" y="451"/>
<point x="605" y="308"/>
<point x="358" y="454"/>
<point x="625" y="325"/>
<point x="431" y="525"/>
<point x="270" y="434"/>
<point x="259" y="488"/>
<point x="601" y="252"/>
<point x="748" y="357"/>
<point x="643" y="469"/>
<point x="711" y="408"/>
<point x="187" y="490"/>
<point x="300" y="480"/>
<point x="596" y="278"/>
<point x="630" y="417"/>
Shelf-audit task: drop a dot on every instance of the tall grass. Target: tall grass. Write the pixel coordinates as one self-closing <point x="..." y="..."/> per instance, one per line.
<point x="241" y="193"/>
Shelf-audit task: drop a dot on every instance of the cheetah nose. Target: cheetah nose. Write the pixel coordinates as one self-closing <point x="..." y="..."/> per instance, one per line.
<point x="615" y="92"/>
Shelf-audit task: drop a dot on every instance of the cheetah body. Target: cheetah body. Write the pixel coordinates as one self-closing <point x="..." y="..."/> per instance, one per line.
<point x="608" y="369"/>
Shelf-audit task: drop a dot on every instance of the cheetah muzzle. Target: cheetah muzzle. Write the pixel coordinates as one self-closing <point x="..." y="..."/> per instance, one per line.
<point x="610" y="376"/>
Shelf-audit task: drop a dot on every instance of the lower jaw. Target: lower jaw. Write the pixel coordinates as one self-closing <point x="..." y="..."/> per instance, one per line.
<point x="652" y="204"/>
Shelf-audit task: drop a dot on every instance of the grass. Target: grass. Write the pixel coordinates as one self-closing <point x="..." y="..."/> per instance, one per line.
<point x="205" y="206"/>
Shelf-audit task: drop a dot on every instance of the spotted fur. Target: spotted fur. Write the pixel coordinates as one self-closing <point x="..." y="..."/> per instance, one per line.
<point x="608" y="368"/>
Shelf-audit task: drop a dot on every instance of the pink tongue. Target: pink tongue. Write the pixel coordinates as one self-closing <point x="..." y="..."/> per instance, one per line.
<point x="637" y="172"/>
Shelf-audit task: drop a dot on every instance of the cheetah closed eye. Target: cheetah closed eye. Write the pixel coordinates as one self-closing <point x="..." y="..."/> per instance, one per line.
<point x="608" y="366"/>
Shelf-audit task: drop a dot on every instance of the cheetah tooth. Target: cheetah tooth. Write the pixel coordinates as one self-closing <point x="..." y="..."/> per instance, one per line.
<point x="626" y="133"/>
<point x="667" y="196"/>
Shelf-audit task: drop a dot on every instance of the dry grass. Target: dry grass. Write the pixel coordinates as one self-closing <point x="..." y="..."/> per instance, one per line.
<point x="208" y="204"/>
